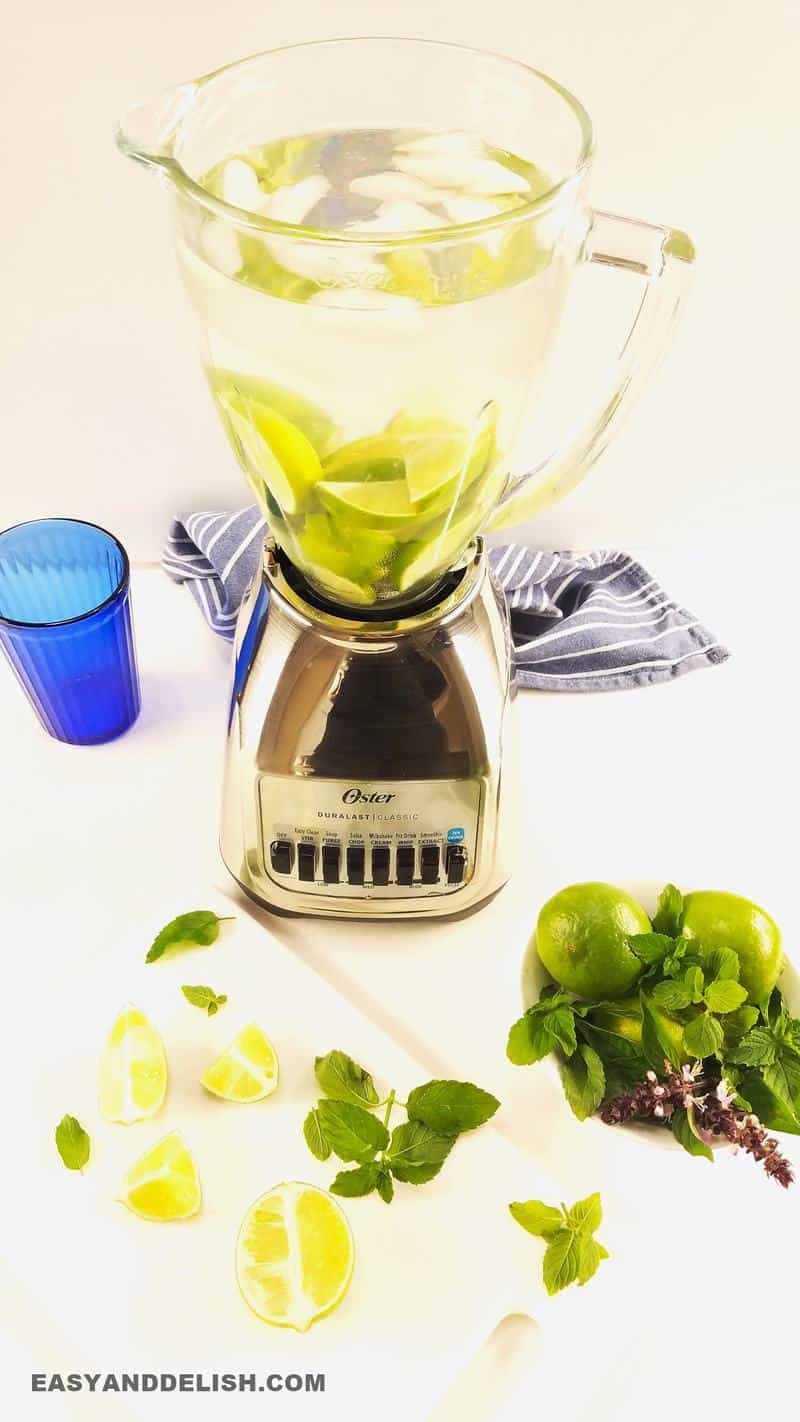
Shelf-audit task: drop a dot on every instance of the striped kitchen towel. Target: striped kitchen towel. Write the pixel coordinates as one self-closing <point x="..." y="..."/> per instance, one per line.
<point x="579" y="621"/>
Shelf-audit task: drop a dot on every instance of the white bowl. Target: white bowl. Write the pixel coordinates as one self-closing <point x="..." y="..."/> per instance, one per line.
<point x="535" y="977"/>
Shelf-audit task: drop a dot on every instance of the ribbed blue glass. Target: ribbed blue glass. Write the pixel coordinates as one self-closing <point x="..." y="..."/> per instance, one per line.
<point x="65" y="626"/>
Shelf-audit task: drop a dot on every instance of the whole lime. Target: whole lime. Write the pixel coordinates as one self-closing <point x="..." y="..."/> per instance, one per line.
<point x="582" y="940"/>
<point x="719" y="920"/>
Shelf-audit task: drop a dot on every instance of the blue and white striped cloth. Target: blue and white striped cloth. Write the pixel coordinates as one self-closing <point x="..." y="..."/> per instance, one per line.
<point x="579" y="621"/>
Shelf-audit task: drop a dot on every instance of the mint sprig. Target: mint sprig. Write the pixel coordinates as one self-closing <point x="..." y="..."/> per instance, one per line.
<point x="573" y="1255"/>
<point x="205" y="998"/>
<point x="345" y="1123"/>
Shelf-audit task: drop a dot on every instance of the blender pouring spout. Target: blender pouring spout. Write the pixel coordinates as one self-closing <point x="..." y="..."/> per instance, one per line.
<point x="147" y="131"/>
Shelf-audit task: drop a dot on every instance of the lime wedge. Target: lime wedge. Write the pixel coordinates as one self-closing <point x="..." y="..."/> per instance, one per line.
<point x="272" y="450"/>
<point x="382" y="505"/>
<point x="378" y="457"/>
<point x="318" y="428"/>
<point x="443" y="460"/>
<point x="361" y="559"/>
<point x="424" y="559"/>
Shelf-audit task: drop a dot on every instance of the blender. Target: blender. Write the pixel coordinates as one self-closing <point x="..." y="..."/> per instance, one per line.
<point x="378" y="237"/>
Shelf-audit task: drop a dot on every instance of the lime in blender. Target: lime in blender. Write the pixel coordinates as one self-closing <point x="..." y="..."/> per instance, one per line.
<point x="378" y="237"/>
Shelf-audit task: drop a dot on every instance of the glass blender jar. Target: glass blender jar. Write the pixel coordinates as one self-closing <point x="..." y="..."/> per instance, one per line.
<point x="377" y="237"/>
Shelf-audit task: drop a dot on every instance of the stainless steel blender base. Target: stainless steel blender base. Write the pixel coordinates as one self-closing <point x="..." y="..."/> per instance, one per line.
<point x="369" y="765"/>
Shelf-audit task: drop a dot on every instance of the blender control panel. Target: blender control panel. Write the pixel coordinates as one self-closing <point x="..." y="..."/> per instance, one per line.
<point x="369" y="840"/>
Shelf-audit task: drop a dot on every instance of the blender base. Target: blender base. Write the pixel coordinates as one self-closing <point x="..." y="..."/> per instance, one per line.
<point x="369" y="765"/>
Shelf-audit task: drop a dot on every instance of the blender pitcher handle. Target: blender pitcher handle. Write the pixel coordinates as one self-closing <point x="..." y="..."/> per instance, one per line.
<point x="663" y="256"/>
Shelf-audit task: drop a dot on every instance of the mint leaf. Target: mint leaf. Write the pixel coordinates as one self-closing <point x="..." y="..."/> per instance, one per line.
<point x="652" y="948"/>
<point x="723" y="963"/>
<point x="561" y="1025"/>
<point x="703" y="1036"/>
<point x="669" y="912"/>
<point x="537" y="1218"/>
<point x="587" y="1215"/>
<point x="724" y="995"/>
<point x="657" y="1045"/>
<point x="685" y="1132"/>
<point x="353" y="1133"/>
<point x="550" y="1023"/>
<point x="671" y="995"/>
<point x="316" y="1139"/>
<point x="529" y="1040"/>
<point x="590" y="1257"/>
<point x="773" y="1112"/>
<point x="342" y="1079"/>
<point x="204" y="997"/>
<point x="385" y="1186"/>
<point x="361" y="1181"/>
<point x="72" y="1143"/>
<point x="189" y="930"/>
<point x="561" y="1261"/>
<point x="756" y="1048"/>
<point x="450" y="1107"/>
<point x="417" y="1153"/>
<point x="584" y="1081"/>
<point x="782" y="1077"/>
<point x="737" y="1023"/>
<point x="694" y="982"/>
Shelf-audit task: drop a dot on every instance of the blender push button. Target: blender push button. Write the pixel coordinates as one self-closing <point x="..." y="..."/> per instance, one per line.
<point x="429" y="872"/>
<point x="306" y="862"/>
<point x="405" y="863"/>
<point x="280" y="855"/>
<point x="456" y="863"/>
<point x="380" y="864"/>
<point x="331" y="855"/>
<point x="355" y="864"/>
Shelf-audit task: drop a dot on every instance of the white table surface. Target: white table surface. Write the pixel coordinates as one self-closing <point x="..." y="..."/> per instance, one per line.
<point x="694" y="781"/>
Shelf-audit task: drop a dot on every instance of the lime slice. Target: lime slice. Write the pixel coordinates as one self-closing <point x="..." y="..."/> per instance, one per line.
<point x="294" y="1255"/>
<point x="133" y="1071"/>
<point x="381" y="505"/>
<point x="274" y="450"/>
<point x="163" y="1184"/>
<point x="247" y="1070"/>
<point x="376" y="458"/>
<point x="318" y="428"/>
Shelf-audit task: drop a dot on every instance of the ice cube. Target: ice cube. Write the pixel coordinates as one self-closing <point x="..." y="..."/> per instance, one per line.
<point x="454" y="143"/>
<point x="400" y="217"/>
<point x="240" y="186"/>
<point x="474" y="209"/>
<point x="394" y="187"/>
<point x="221" y="246"/>
<point x="294" y="202"/>
<point x="480" y="177"/>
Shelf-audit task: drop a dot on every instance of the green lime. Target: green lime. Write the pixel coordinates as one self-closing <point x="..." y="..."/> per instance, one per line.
<point x="376" y="458"/>
<point x="273" y="450"/>
<point x="720" y="920"/>
<point x="581" y="938"/>
<point x="422" y="559"/>
<point x="318" y="427"/>
<point x="381" y="505"/>
<point x="625" y="1018"/>
<point x="363" y="560"/>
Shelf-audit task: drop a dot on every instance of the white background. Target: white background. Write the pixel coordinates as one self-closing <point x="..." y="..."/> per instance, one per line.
<point x="695" y="105"/>
<point x="104" y="415"/>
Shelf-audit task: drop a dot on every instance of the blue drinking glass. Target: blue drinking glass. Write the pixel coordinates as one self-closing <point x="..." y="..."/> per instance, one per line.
<point x="65" y="626"/>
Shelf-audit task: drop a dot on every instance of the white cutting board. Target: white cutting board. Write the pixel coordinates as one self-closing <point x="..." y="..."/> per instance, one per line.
<point x="99" y="1289"/>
